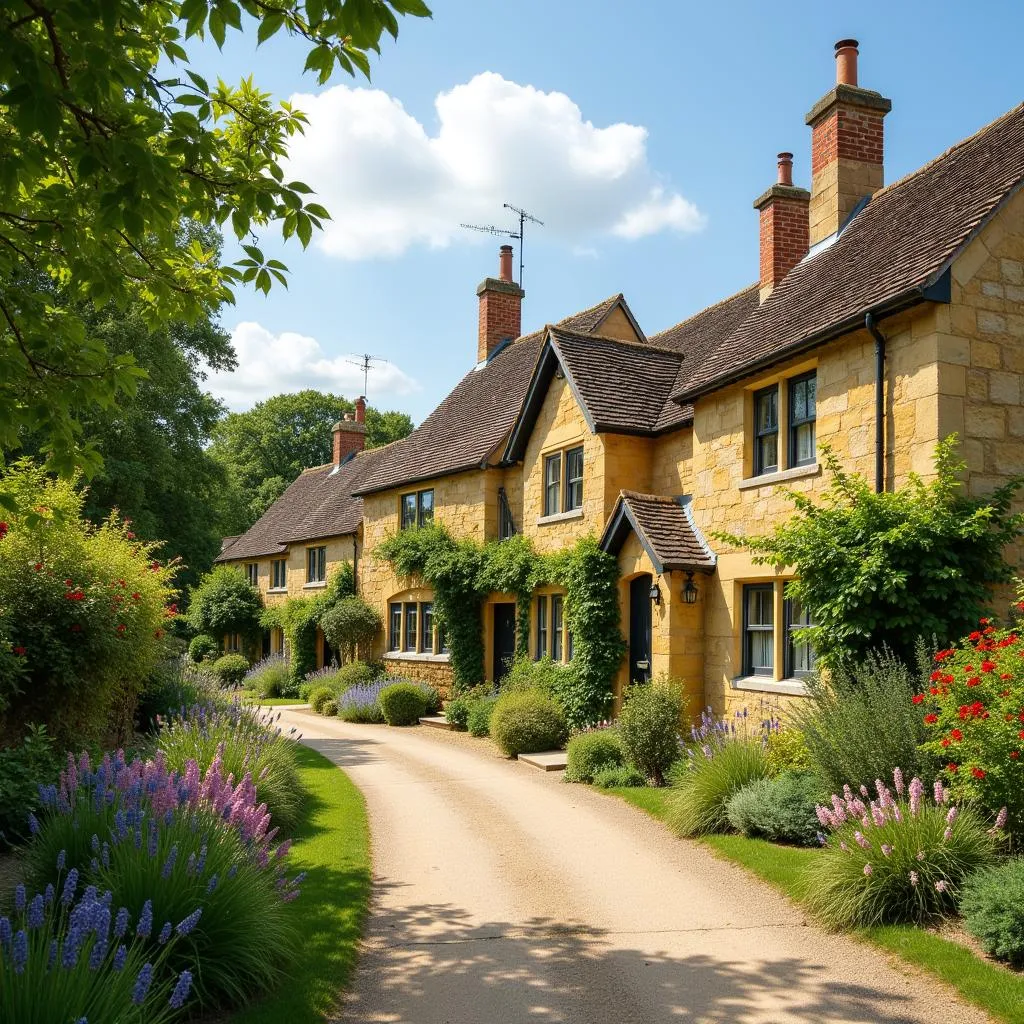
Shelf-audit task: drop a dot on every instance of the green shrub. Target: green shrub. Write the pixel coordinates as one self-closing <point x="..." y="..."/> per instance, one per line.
<point x="225" y="602"/>
<point x="781" y="809"/>
<point x="350" y="623"/>
<point x="203" y="648"/>
<point x="649" y="727"/>
<point x="247" y="740"/>
<point x="403" y="703"/>
<point x="527" y="722"/>
<point x="590" y="752"/>
<point x="230" y="670"/>
<point x="545" y="675"/>
<point x="993" y="910"/>
<point x="478" y="721"/>
<point x="713" y="775"/>
<point x="787" y="752"/>
<point x="23" y="769"/>
<point x="319" y="697"/>
<point x="172" y="685"/>
<point x="863" y="721"/>
<point x="897" y="858"/>
<point x="621" y="776"/>
<point x="329" y="709"/>
<point x="356" y="672"/>
<point x="456" y="711"/>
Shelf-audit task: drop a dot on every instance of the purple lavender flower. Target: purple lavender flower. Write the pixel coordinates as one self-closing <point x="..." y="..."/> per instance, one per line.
<point x="5" y="933"/>
<point x="941" y="885"/>
<point x="145" y="925"/>
<point x="916" y="795"/>
<point x="70" y="885"/>
<point x="48" y="894"/>
<point x="35" y="912"/>
<point x="165" y="933"/>
<point x="169" y="863"/>
<point x="211" y="884"/>
<point x="33" y="824"/>
<point x="939" y="792"/>
<point x="142" y="983"/>
<point x="897" y="778"/>
<point x="186" y="925"/>
<point x="19" y="898"/>
<point x="19" y="954"/>
<point x="121" y="923"/>
<point x="61" y="859"/>
<point x="861" y="841"/>
<point x="181" y="990"/>
<point x="120" y="956"/>
<point x="1001" y="819"/>
<point x="886" y="850"/>
<point x="951" y="815"/>
<point x="947" y="834"/>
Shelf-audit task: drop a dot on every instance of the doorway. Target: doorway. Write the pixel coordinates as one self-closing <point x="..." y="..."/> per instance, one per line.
<point x="504" y="639"/>
<point x="640" y="629"/>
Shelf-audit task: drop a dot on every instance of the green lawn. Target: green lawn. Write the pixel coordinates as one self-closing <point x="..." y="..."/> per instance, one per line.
<point x="333" y="847"/>
<point x="995" y="989"/>
<point x="251" y="697"/>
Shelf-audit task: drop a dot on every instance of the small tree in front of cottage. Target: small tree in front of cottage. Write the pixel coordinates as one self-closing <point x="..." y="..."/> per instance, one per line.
<point x="350" y="623"/>
<point x="884" y="569"/>
<point x="224" y="602"/>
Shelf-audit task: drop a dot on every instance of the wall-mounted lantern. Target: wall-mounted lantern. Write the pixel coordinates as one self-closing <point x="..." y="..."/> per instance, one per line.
<point x="655" y="594"/>
<point x="690" y="589"/>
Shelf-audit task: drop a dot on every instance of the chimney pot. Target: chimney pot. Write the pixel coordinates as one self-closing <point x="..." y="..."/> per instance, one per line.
<point x="846" y="62"/>
<point x="785" y="168"/>
<point x="505" y="263"/>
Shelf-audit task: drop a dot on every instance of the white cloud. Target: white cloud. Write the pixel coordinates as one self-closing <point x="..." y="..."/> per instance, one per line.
<point x="390" y="184"/>
<point x="272" y="364"/>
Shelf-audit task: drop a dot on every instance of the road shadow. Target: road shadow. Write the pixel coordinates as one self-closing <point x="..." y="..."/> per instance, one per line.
<point x="435" y="964"/>
<point x="347" y="752"/>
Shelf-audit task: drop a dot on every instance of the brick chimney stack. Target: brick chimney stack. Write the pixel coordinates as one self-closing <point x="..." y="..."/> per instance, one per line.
<point x="784" y="229"/>
<point x="846" y="146"/>
<point x="349" y="434"/>
<point x="501" y="301"/>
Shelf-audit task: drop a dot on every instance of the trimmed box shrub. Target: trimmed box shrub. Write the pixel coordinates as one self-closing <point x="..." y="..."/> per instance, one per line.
<point x="330" y="708"/>
<point x="403" y="703"/>
<point x="993" y="910"/>
<point x="478" y="720"/>
<point x="527" y="722"/>
<point x="620" y="777"/>
<point x="456" y="711"/>
<point x="230" y="670"/>
<point x="649" y="727"/>
<point x="203" y="648"/>
<point x="319" y="696"/>
<point x="356" y="672"/>
<point x="591" y="752"/>
<point x="781" y="809"/>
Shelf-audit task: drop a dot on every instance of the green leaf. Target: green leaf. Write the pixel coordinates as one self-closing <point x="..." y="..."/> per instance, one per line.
<point x="269" y="26"/>
<point x="217" y="27"/>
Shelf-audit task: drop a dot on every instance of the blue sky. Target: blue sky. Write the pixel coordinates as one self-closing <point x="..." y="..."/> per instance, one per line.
<point x="704" y="96"/>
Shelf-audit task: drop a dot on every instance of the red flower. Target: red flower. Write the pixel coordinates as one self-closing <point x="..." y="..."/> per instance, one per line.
<point x="20" y="651"/>
<point x="974" y="636"/>
<point x="934" y="691"/>
<point x="978" y="773"/>
<point x="3" y="530"/>
<point x="136" y="596"/>
<point x="973" y="681"/>
<point x="76" y="628"/>
<point x="69" y="583"/>
<point x="957" y="735"/>
<point x="121" y="628"/>
<point x="130" y="535"/>
<point x="936" y="675"/>
<point x="988" y="666"/>
<point x="122" y="584"/>
<point x="943" y="655"/>
<point x="931" y="718"/>
<point x="951" y="767"/>
<point x="1006" y="675"/>
<point x="1020" y="735"/>
<point x="918" y="698"/>
<point x="1015" y="754"/>
<point x="38" y="566"/>
<point x="75" y="595"/>
<point x="945" y="741"/>
<point x="984" y="622"/>
<point x="155" y="567"/>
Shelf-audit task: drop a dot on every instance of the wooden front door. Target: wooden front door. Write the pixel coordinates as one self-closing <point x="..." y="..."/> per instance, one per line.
<point x="640" y="629"/>
<point x="504" y="639"/>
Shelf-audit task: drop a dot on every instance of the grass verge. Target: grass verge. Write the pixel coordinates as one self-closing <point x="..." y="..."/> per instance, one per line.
<point x="332" y="846"/>
<point x="995" y="989"/>
<point x="252" y="697"/>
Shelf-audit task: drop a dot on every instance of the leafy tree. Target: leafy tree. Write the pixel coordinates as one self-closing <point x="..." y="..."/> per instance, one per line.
<point x="884" y="569"/>
<point x="156" y="470"/>
<point x="110" y="143"/>
<point x="349" y="623"/>
<point x="225" y="602"/>
<point x="263" y="450"/>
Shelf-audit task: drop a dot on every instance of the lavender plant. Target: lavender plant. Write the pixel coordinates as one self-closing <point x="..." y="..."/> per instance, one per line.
<point x="361" y="703"/>
<point x="271" y="677"/>
<point x="893" y="858"/>
<point x="248" y="741"/>
<point x="73" y="958"/>
<point x="175" y="842"/>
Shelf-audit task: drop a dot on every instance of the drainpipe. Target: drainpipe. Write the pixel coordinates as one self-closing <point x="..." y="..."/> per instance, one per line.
<point x="872" y="326"/>
<point x="355" y="563"/>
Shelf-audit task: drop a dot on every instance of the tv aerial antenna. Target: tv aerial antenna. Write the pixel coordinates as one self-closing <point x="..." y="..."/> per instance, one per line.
<point x="519" y="235"/>
<point x="365" y="363"/>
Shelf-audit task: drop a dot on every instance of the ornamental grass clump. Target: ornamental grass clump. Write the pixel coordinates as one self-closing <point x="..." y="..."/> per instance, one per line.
<point x="270" y="677"/>
<point x="361" y="703"/>
<point x="176" y="843"/>
<point x="248" y="741"/>
<point x="896" y="858"/>
<point x="722" y="757"/>
<point x="72" y="957"/>
<point x="972" y="713"/>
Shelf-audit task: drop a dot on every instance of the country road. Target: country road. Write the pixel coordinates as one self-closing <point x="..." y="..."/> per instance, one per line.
<point x="503" y="895"/>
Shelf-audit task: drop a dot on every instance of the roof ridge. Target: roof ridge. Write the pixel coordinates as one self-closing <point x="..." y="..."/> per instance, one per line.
<point x="947" y="153"/>
<point x="315" y="469"/>
<point x="663" y="499"/>
<point x="707" y="309"/>
<point x="589" y="336"/>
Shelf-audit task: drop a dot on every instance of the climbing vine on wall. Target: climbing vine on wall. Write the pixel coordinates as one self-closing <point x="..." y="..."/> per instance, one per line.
<point x="462" y="574"/>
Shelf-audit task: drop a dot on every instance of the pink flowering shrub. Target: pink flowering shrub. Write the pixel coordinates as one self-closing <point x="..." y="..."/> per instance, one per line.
<point x="900" y="856"/>
<point x="973" y="711"/>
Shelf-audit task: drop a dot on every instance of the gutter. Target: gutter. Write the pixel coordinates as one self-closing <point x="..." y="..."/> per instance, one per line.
<point x="872" y="326"/>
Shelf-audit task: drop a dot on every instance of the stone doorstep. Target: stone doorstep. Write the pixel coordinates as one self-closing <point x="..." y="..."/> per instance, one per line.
<point x="435" y="722"/>
<point x="546" y="761"/>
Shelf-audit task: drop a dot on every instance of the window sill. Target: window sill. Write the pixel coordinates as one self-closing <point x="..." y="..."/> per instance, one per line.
<point x="277" y="590"/>
<point x="765" y="479"/>
<point x="315" y="586"/>
<point x="762" y="684"/>
<point x="561" y="517"/>
<point x="416" y="656"/>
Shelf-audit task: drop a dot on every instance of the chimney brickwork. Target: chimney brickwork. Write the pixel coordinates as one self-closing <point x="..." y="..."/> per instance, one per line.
<point x="500" y="315"/>
<point x="784" y="226"/>
<point x="847" y="146"/>
<point x="349" y="434"/>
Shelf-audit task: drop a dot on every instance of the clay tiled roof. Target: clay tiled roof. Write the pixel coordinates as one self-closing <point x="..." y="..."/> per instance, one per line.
<point x="665" y="529"/>
<point x="890" y="255"/>
<point x="319" y="503"/>
<point x="623" y="386"/>
<point x="467" y="427"/>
